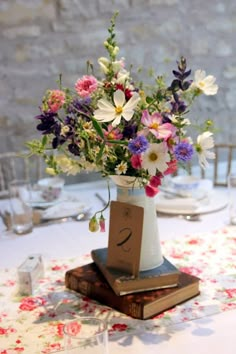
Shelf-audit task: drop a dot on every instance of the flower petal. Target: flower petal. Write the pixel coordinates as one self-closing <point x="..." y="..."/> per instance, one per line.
<point x="104" y="105"/>
<point x="133" y="101"/>
<point x="119" y="98"/>
<point x="127" y="114"/>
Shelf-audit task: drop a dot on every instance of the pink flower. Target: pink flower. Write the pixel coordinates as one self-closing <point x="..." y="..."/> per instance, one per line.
<point x="19" y="349"/>
<point x="136" y="161"/>
<point x="154" y="124"/>
<point x="113" y="133"/>
<point x="3" y="330"/>
<point x="102" y="224"/>
<point x="172" y="167"/>
<point x="150" y="190"/>
<point x="86" y="85"/>
<point x="120" y="327"/>
<point x="55" y="100"/>
<point x="73" y="328"/>
<point x="60" y="329"/>
<point x="30" y="304"/>
<point x="155" y="181"/>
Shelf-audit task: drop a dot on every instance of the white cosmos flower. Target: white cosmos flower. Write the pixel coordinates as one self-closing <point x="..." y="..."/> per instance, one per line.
<point x="106" y="112"/>
<point x="205" y="84"/>
<point x="155" y="158"/>
<point x="205" y="142"/>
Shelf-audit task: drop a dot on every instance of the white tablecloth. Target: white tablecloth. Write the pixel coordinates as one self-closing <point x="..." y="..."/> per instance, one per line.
<point x="210" y="334"/>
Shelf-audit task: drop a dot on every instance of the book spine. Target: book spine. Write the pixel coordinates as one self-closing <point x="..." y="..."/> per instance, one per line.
<point x="104" y="295"/>
<point x="113" y="283"/>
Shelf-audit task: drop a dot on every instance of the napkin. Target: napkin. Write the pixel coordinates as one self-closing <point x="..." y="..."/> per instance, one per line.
<point x="65" y="209"/>
<point x="177" y="205"/>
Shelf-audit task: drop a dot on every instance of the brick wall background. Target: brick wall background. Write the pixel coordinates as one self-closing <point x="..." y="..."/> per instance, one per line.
<point x="41" y="38"/>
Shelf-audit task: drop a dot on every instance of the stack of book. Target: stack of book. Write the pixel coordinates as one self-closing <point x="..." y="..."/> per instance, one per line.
<point x="142" y="297"/>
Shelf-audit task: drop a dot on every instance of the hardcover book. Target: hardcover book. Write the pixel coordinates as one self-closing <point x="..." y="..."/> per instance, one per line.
<point x="89" y="281"/>
<point x="164" y="276"/>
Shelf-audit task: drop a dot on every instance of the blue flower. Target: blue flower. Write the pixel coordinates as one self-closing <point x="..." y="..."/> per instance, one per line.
<point x="183" y="151"/>
<point x="138" y="145"/>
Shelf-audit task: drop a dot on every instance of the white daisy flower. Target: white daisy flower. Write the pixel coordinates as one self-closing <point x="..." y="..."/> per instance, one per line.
<point x="121" y="168"/>
<point x="206" y="84"/>
<point x="205" y="142"/>
<point x="106" y="112"/>
<point x="155" y="158"/>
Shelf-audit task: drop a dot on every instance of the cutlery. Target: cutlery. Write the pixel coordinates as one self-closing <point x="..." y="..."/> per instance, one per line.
<point x="79" y="217"/>
<point x="187" y="217"/>
<point x="191" y="217"/>
<point x="99" y="197"/>
<point x="83" y="216"/>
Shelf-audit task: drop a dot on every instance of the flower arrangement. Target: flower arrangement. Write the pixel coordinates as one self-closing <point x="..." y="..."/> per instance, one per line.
<point x="117" y="126"/>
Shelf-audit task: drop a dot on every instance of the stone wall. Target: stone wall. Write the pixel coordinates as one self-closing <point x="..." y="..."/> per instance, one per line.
<point x="41" y="38"/>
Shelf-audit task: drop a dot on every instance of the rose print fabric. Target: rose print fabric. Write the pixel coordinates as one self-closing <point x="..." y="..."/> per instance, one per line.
<point x="33" y="324"/>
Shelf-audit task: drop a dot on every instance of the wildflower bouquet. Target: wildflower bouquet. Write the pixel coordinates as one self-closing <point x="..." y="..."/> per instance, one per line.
<point x="117" y="126"/>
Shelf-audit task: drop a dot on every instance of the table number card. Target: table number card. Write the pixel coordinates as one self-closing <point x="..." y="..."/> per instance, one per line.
<point x="125" y="237"/>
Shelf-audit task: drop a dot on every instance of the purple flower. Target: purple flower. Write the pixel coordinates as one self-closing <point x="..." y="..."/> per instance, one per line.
<point x="180" y="77"/>
<point x="138" y="145"/>
<point x="58" y="140"/>
<point x="177" y="105"/>
<point x="130" y="130"/>
<point x="48" y="124"/>
<point x="74" y="149"/>
<point x="183" y="151"/>
<point x="80" y="106"/>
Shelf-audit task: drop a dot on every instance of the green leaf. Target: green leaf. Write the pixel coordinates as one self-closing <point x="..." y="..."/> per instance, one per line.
<point x="98" y="128"/>
<point x="99" y="156"/>
<point x="119" y="142"/>
<point x="149" y="99"/>
<point x="44" y="140"/>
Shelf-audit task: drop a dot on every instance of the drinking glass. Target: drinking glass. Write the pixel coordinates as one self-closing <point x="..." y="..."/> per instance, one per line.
<point x="86" y="335"/>
<point x="21" y="210"/>
<point x="232" y="198"/>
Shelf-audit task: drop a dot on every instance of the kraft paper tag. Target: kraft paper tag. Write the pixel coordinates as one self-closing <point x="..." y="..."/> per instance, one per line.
<point x="125" y="237"/>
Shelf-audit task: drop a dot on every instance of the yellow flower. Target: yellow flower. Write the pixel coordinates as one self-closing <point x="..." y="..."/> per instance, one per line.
<point x="67" y="165"/>
<point x="50" y="171"/>
<point x="93" y="224"/>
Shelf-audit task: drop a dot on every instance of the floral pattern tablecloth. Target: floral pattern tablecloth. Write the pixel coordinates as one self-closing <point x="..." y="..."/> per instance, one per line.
<point x="34" y="324"/>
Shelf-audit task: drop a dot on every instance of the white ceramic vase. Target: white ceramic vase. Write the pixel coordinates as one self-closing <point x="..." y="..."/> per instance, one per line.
<point x="131" y="193"/>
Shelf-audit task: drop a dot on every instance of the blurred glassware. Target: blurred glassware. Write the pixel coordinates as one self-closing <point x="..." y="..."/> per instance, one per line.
<point x="51" y="188"/>
<point x="185" y="185"/>
<point x="21" y="210"/>
<point x="232" y="198"/>
<point x="86" y="335"/>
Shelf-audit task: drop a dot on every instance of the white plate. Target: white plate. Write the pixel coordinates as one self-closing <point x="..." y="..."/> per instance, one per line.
<point x="171" y="193"/>
<point x="37" y="200"/>
<point x="215" y="201"/>
<point x="65" y="209"/>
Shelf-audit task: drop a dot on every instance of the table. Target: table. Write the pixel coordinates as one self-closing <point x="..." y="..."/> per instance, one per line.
<point x="206" y="329"/>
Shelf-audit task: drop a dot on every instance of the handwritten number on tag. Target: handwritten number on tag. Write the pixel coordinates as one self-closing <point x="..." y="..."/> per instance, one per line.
<point x="126" y="232"/>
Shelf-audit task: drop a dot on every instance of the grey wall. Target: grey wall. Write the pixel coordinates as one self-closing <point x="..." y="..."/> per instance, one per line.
<point x="41" y="38"/>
